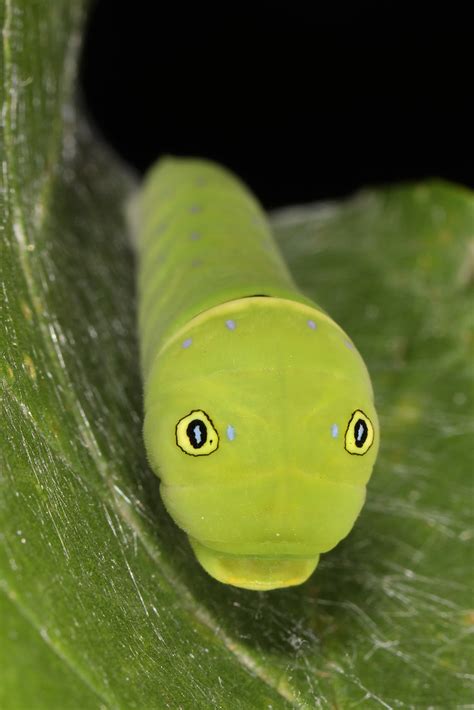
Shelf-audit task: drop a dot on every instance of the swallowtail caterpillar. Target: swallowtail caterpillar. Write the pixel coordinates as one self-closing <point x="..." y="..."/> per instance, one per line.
<point x="259" y="412"/>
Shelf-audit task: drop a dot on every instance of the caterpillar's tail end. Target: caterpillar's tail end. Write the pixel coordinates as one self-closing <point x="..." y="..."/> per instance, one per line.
<point x="257" y="573"/>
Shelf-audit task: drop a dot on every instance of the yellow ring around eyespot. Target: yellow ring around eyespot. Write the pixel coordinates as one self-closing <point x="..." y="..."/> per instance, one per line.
<point x="350" y="435"/>
<point x="183" y="441"/>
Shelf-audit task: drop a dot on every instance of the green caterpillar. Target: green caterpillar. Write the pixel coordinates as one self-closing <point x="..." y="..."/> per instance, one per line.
<point x="259" y="413"/>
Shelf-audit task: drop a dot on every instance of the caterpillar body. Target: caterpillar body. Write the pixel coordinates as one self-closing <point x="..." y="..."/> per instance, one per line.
<point x="259" y="412"/>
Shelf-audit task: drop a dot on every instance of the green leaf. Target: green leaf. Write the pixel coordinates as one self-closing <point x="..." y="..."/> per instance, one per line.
<point x="102" y="603"/>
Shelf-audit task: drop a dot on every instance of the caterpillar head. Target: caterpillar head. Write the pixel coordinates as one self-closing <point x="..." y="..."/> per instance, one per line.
<point x="261" y="425"/>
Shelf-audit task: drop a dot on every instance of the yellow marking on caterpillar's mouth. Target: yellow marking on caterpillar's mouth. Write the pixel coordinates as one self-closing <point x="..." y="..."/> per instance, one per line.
<point x="256" y="573"/>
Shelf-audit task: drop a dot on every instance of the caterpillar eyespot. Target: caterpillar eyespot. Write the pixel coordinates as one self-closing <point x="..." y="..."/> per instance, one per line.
<point x="359" y="435"/>
<point x="260" y="478"/>
<point x="196" y="435"/>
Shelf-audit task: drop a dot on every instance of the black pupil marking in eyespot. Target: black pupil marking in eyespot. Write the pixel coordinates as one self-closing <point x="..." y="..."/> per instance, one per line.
<point x="197" y="433"/>
<point x="361" y="432"/>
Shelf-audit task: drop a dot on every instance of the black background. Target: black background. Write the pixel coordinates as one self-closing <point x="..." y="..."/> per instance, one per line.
<point x="304" y="101"/>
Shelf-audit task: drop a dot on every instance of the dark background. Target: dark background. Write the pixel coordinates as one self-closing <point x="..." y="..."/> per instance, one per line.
<point x="304" y="101"/>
